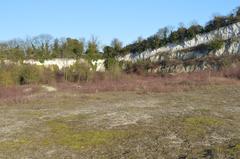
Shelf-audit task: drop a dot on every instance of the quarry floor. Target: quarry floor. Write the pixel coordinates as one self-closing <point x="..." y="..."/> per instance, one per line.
<point x="201" y="123"/>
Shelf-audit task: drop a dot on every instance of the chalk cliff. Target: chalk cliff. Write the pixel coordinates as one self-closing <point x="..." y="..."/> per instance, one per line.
<point x="178" y="51"/>
<point x="190" y="56"/>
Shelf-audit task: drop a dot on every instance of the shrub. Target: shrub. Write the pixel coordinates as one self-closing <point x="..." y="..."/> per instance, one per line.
<point x="115" y="71"/>
<point x="30" y="74"/>
<point x="113" y="67"/>
<point x="9" y="75"/>
<point x="21" y="74"/>
<point x="16" y="74"/>
<point x="48" y="76"/>
<point x="6" y="78"/>
<point x="141" y="67"/>
<point x="78" y="72"/>
<point x="216" y="44"/>
<point x="109" y="63"/>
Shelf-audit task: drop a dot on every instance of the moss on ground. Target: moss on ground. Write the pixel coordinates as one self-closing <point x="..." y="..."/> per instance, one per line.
<point x="66" y="135"/>
<point x="13" y="145"/>
<point x="64" y="132"/>
<point x="200" y="125"/>
<point x="202" y="121"/>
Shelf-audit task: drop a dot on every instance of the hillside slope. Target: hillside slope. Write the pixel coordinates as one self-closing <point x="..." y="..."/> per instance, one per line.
<point x="194" y="49"/>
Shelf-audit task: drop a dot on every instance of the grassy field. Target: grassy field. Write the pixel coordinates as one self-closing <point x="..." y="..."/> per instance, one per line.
<point x="198" y="123"/>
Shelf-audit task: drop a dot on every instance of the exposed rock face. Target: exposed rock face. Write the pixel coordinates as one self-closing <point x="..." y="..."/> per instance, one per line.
<point x="192" y="51"/>
<point x="100" y="67"/>
<point x="181" y="68"/>
<point x="178" y="51"/>
<point x="62" y="63"/>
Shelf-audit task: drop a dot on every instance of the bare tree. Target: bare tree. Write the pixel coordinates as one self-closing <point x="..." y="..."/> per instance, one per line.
<point x="163" y="33"/>
<point x="43" y="39"/>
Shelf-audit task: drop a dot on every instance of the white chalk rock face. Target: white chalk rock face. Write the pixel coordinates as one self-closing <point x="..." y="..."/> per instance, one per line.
<point x="99" y="64"/>
<point x="234" y="48"/>
<point x="225" y="33"/>
<point x="32" y="62"/>
<point x="63" y="63"/>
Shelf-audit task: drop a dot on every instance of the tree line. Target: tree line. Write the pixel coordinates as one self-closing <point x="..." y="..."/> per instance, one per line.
<point x="168" y="35"/>
<point x="46" y="47"/>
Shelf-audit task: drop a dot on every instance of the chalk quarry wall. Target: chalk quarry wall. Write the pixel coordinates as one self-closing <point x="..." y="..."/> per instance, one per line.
<point x="62" y="63"/>
<point x="177" y="51"/>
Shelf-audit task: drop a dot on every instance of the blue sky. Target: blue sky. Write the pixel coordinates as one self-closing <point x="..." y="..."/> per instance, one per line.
<point x="105" y="19"/>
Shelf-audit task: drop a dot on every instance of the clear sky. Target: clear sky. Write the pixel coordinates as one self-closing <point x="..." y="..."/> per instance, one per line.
<point x="106" y="19"/>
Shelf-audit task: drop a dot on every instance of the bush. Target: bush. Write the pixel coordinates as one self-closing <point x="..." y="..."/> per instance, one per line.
<point x="216" y="44"/>
<point x="115" y="71"/>
<point x="141" y="67"/>
<point x="16" y="74"/>
<point x="9" y="75"/>
<point x="48" y="75"/>
<point x="109" y="63"/>
<point x="113" y="67"/>
<point x="78" y="72"/>
<point x="21" y="74"/>
<point x="30" y="74"/>
<point x="6" y="78"/>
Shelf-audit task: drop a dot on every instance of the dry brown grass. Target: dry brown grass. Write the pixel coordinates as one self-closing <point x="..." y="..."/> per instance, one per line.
<point x="232" y="72"/>
<point x="150" y="83"/>
<point x="16" y="94"/>
<point x="132" y="82"/>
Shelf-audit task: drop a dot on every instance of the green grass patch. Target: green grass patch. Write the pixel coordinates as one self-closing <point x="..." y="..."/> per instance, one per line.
<point x="199" y="126"/>
<point x="202" y="121"/>
<point x="69" y="136"/>
<point x="13" y="145"/>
